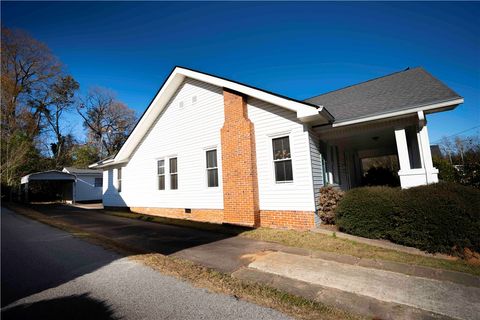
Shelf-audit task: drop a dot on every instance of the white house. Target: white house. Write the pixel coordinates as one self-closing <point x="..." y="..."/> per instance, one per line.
<point x="212" y="149"/>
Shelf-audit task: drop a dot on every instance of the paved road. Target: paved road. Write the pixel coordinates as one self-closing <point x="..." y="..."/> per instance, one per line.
<point x="48" y="274"/>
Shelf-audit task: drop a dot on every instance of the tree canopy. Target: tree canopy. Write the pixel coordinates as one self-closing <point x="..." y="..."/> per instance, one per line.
<point x="38" y="95"/>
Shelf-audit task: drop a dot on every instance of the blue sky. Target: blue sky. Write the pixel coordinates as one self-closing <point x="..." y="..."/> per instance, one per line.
<point x="295" y="49"/>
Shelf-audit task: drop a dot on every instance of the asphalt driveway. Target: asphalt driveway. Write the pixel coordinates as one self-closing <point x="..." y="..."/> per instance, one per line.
<point x="196" y="245"/>
<point x="49" y="274"/>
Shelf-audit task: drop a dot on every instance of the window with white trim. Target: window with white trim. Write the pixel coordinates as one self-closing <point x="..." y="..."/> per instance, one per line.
<point x="161" y="174"/>
<point x="119" y="179"/>
<point x="212" y="168"/>
<point x="173" y="173"/>
<point x="282" y="160"/>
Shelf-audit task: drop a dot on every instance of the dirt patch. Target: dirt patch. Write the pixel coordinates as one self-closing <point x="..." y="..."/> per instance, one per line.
<point x="472" y="257"/>
<point x="250" y="257"/>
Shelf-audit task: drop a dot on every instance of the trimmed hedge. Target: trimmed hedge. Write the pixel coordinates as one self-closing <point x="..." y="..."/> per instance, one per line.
<point x="443" y="217"/>
<point x="367" y="212"/>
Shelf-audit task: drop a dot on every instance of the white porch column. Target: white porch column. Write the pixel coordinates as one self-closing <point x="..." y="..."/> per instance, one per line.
<point x="431" y="173"/>
<point x="408" y="177"/>
<point x="402" y="149"/>
<point x="426" y="174"/>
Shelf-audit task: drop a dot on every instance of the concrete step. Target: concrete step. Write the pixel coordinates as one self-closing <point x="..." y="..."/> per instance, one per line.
<point x="369" y="291"/>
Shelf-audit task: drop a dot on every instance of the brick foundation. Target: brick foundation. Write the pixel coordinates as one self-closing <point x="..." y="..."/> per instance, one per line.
<point x="203" y="215"/>
<point x="298" y="220"/>
<point x="239" y="166"/>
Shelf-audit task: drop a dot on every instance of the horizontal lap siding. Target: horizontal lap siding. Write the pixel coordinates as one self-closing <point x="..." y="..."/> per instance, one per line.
<point x="270" y="120"/>
<point x="185" y="133"/>
<point x="317" y="168"/>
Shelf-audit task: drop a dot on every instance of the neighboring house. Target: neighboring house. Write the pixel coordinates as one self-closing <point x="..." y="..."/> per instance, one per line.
<point x="69" y="185"/>
<point x="88" y="185"/>
<point x="216" y="150"/>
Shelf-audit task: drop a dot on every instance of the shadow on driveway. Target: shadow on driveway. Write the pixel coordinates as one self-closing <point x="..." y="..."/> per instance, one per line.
<point x="72" y="307"/>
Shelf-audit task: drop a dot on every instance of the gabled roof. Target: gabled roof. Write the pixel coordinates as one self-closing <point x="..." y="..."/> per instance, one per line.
<point x="74" y="170"/>
<point x="404" y="90"/>
<point x="306" y="112"/>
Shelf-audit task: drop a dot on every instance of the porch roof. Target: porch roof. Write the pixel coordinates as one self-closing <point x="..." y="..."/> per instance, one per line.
<point x="408" y="89"/>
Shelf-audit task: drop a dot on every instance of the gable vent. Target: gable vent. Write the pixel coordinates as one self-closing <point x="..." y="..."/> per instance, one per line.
<point x="194" y="99"/>
<point x="181" y="105"/>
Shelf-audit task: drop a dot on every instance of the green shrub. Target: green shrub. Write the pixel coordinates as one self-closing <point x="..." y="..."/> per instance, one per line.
<point x="367" y="211"/>
<point x="443" y="217"/>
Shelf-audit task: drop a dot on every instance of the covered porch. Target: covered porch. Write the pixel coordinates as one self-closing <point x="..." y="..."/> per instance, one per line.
<point x="399" y="145"/>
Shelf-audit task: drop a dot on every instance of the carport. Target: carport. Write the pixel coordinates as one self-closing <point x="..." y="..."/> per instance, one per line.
<point x="50" y="185"/>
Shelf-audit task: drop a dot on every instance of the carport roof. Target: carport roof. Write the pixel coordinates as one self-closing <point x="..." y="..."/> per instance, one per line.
<point x="48" y="175"/>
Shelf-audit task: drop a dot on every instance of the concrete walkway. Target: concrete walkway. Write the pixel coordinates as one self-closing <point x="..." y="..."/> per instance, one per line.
<point x="442" y="297"/>
<point x="381" y="289"/>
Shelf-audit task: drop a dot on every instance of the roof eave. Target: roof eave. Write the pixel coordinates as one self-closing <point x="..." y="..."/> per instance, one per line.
<point x="427" y="108"/>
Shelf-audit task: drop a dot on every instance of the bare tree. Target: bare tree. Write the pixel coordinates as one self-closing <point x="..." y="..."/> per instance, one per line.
<point x="107" y="120"/>
<point x="60" y="100"/>
<point x="448" y="147"/>
<point x="28" y="70"/>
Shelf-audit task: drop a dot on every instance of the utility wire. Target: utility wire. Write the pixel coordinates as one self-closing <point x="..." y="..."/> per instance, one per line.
<point x="456" y="134"/>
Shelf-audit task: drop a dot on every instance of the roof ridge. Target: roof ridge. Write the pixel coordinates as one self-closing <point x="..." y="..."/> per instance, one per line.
<point x="249" y="86"/>
<point x="366" y="81"/>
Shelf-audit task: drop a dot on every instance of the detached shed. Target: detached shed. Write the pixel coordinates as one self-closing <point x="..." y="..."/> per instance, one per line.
<point x="50" y="185"/>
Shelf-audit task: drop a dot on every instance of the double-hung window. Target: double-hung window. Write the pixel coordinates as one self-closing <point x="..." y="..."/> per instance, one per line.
<point x="282" y="160"/>
<point x="173" y="173"/>
<point x="161" y="174"/>
<point x="212" y="168"/>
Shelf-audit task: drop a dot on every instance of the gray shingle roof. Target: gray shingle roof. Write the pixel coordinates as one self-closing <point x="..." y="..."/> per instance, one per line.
<point x="398" y="91"/>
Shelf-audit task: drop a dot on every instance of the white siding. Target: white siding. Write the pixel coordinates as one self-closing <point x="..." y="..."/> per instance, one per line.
<point x="85" y="188"/>
<point x="272" y="121"/>
<point x="184" y="132"/>
<point x="317" y="168"/>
